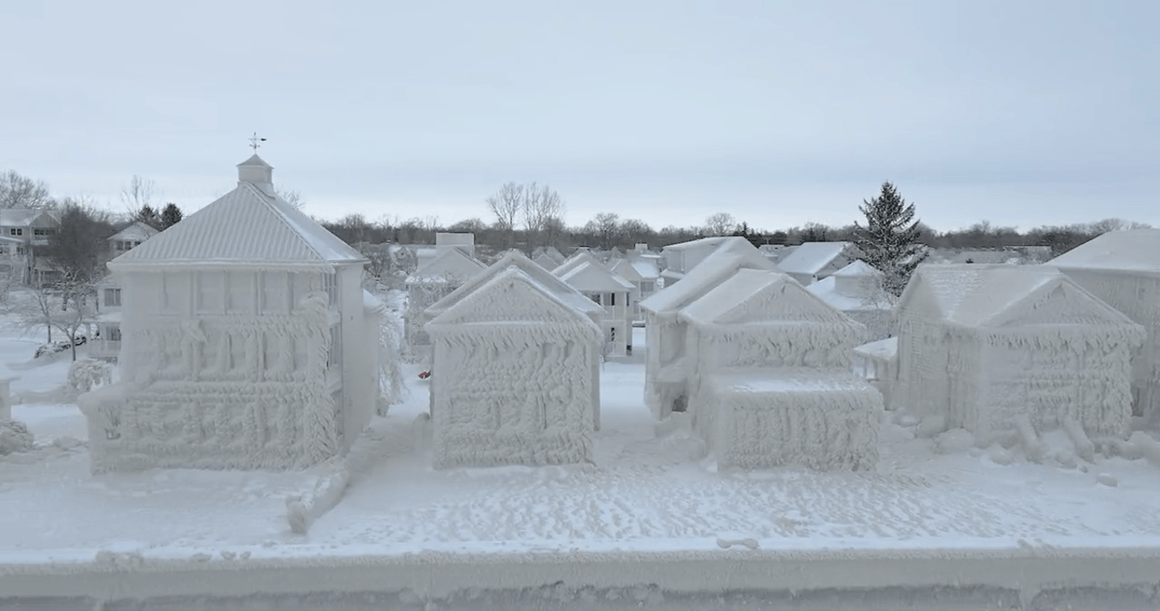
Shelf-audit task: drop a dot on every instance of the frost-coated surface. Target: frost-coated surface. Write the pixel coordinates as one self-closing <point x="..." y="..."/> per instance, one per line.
<point x="817" y="418"/>
<point x="981" y="347"/>
<point x="517" y="377"/>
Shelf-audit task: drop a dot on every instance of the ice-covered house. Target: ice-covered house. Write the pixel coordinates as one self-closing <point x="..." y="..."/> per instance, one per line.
<point x="435" y="278"/>
<point x="669" y="356"/>
<point x="643" y="274"/>
<point x="611" y="292"/>
<point x="129" y="238"/>
<point x="1123" y="269"/>
<point x="247" y="341"/>
<point x="544" y="279"/>
<point x="681" y="258"/>
<point x="857" y="291"/>
<point x="517" y="379"/>
<point x="548" y="257"/>
<point x="810" y="262"/>
<point x="1005" y="350"/>
<point x="769" y="377"/>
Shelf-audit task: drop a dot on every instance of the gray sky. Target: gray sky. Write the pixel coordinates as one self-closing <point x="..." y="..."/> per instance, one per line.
<point x="1016" y="111"/>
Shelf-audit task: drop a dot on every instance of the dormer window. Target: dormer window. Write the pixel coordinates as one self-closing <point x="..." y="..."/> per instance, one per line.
<point x="19" y="231"/>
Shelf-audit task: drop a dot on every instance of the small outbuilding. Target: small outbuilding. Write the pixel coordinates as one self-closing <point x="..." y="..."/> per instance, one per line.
<point x="1000" y="349"/>
<point x="857" y="291"/>
<point x="515" y="381"/>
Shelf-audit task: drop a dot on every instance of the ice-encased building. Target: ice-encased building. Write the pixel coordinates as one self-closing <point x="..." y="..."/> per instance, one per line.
<point x="543" y="279"/>
<point x="1123" y="269"/>
<point x="986" y="346"/>
<point x="770" y="380"/>
<point x="856" y="290"/>
<point x="247" y="341"/>
<point x="594" y="280"/>
<point x="668" y="360"/>
<point x="514" y="382"/>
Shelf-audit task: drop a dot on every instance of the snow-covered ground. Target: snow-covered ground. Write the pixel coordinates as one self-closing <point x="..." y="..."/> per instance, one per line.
<point x="650" y="518"/>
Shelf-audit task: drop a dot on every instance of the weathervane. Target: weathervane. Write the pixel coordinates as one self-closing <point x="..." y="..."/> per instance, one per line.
<point x="254" y="142"/>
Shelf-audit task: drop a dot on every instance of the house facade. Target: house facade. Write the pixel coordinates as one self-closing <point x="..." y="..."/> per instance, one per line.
<point x="247" y="342"/>
<point x="517" y="379"/>
<point x="1001" y="349"/>
<point x="611" y="292"/>
<point x="22" y="231"/>
<point x="857" y="291"/>
<point x="1123" y="269"/>
<point x="810" y="262"/>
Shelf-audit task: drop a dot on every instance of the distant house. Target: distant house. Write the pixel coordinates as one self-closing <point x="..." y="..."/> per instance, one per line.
<point x="436" y="278"/>
<point x="24" y="229"/>
<point x="1123" y="269"/>
<point x="666" y="333"/>
<point x="1000" y="349"/>
<point x="856" y="290"/>
<point x="107" y="344"/>
<point x="585" y="274"/>
<point x="247" y="341"/>
<point x="813" y="261"/>
<point x="769" y="377"/>
<point x="681" y="258"/>
<point x="642" y="274"/>
<point x="518" y="376"/>
<point x="129" y="238"/>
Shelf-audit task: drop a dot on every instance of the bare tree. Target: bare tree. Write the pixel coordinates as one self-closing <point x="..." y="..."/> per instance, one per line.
<point x="68" y="306"/>
<point x="721" y="223"/>
<point x="540" y="206"/>
<point x="506" y="205"/>
<point x="290" y="196"/>
<point x="139" y="193"/>
<point x="18" y="191"/>
<point x="605" y="226"/>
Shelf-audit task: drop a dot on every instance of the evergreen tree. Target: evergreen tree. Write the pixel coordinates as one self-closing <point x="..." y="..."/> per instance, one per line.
<point x="148" y="215"/>
<point x="170" y="215"/>
<point x="889" y="240"/>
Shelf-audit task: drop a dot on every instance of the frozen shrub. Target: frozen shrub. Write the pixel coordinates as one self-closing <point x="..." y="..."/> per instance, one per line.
<point x="86" y="374"/>
<point x="14" y="437"/>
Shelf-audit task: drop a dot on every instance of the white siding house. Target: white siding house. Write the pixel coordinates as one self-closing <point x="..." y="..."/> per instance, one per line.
<point x="247" y="341"/>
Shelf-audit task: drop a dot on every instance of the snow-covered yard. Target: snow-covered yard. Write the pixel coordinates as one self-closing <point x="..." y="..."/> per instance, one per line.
<point x="648" y="492"/>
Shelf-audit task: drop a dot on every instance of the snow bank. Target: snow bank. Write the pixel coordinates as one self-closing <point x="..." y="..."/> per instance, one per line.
<point x="14" y="437"/>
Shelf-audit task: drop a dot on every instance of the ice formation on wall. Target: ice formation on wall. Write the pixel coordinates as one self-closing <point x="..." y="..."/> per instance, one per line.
<point x="768" y="370"/>
<point x="247" y="342"/>
<point x="1123" y="269"/>
<point x="982" y="347"/>
<point x="856" y="290"/>
<point x="666" y="372"/>
<point x="516" y="369"/>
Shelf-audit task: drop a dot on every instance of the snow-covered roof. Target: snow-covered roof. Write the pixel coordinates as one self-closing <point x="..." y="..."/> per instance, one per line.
<point x="577" y="259"/>
<point x="993" y="295"/>
<point x="859" y="268"/>
<point x="137" y="231"/>
<point x="882" y="349"/>
<point x="513" y="296"/>
<point x="826" y="289"/>
<point x="542" y="276"/>
<point x="624" y="269"/>
<point x="812" y="257"/>
<point x="714" y="269"/>
<point x="24" y="217"/>
<point x="546" y="262"/>
<point x="698" y="243"/>
<point x="243" y="227"/>
<point x="448" y="264"/>
<point x="648" y="270"/>
<point x="752" y="295"/>
<point x="591" y="276"/>
<point x="1134" y="250"/>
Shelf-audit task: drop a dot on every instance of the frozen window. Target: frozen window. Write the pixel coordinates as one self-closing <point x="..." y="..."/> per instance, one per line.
<point x="330" y="285"/>
<point x="112" y="298"/>
<point x="16" y="231"/>
<point x="114" y="333"/>
<point x="334" y="355"/>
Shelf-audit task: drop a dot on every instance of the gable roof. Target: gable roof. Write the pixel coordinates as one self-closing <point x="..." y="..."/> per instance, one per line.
<point x="750" y="294"/>
<point x="812" y="257"/>
<point x="714" y="269"/>
<point x="243" y="227"/>
<point x="512" y="296"/>
<point x="1133" y="250"/>
<point x="546" y="261"/>
<point x="591" y="276"/>
<point x="701" y="242"/>
<point x="859" y="269"/>
<point x="136" y="231"/>
<point x="25" y="217"/>
<point x="826" y="289"/>
<point x="451" y="263"/>
<point x="577" y="259"/>
<point x="994" y="295"/>
<point x="625" y="269"/>
<point x="543" y="277"/>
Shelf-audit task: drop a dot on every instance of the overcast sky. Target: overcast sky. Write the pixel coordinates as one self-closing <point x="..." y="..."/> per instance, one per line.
<point x="1016" y="111"/>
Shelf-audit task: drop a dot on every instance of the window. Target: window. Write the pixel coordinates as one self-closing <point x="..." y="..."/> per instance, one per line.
<point x="16" y="231"/>
<point x="334" y="356"/>
<point x="112" y="298"/>
<point x="43" y="232"/>
<point x="330" y="285"/>
<point x="595" y="297"/>
<point x="612" y="299"/>
<point x="114" y="333"/>
<point x="20" y="250"/>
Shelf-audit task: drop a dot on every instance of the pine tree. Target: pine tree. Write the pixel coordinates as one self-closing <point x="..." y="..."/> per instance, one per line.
<point x="889" y="240"/>
<point x="170" y="215"/>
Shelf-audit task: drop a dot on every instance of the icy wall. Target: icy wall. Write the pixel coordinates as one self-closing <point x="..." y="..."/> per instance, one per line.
<point x="517" y="394"/>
